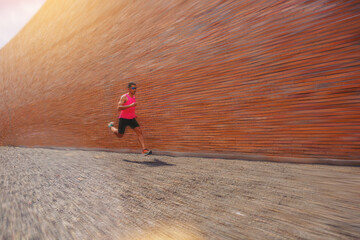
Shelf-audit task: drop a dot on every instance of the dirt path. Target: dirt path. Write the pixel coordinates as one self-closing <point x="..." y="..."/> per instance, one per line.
<point x="59" y="194"/>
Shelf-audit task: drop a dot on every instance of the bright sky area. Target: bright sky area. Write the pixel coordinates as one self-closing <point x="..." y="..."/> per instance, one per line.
<point x="14" y="16"/>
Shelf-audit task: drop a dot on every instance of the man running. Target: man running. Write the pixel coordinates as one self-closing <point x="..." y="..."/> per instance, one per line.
<point x="127" y="117"/>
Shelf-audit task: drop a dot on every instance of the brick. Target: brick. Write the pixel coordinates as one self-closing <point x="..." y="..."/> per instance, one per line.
<point x="277" y="78"/>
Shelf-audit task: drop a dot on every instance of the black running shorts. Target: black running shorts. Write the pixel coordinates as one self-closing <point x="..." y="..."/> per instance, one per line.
<point x="123" y="122"/>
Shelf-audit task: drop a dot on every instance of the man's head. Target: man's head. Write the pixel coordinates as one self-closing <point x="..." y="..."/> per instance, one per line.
<point x="132" y="88"/>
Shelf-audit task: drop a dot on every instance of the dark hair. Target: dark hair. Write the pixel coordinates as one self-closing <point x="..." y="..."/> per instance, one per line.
<point x="130" y="84"/>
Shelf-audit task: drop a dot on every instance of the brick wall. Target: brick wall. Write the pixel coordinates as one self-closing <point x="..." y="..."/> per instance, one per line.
<point x="277" y="78"/>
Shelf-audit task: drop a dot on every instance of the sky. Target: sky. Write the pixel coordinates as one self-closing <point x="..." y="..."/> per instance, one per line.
<point x="14" y="15"/>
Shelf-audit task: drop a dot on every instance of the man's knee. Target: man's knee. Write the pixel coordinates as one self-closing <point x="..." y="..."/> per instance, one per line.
<point x="138" y="130"/>
<point x="119" y="135"/>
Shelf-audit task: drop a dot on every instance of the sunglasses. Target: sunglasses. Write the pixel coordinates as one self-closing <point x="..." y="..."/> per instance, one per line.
<point x="133" y="88"/>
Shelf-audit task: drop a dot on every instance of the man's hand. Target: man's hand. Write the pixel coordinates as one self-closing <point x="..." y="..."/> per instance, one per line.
<point x="133" y="104"/>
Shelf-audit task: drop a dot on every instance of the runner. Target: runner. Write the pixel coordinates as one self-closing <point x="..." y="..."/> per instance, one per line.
<point x="127" y="117"/>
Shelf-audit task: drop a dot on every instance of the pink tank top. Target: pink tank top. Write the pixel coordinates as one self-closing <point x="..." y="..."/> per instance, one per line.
<point x="128" y="113"/>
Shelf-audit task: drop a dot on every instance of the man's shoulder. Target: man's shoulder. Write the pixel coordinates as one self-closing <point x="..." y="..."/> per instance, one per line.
<point x="123" y="97"/>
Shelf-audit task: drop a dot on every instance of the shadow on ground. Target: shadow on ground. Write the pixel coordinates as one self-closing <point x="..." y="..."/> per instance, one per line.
<point x="154" y="163"/>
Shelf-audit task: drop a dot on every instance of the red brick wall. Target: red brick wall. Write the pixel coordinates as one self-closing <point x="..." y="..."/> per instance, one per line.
<point x="267" y="77"/>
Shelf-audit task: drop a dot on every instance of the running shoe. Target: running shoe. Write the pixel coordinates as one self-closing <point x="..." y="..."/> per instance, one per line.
<point x="146" y="152"/>
<point x="111" y="124"/>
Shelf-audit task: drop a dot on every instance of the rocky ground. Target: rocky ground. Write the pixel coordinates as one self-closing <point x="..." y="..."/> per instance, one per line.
<point x="63" y="194"/>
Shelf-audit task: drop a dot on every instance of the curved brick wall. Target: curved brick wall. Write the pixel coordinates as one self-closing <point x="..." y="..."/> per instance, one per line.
<point x="270" y="78"/>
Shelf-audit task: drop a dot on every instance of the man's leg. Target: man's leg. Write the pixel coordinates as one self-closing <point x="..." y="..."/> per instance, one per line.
<point x="115" y="130"/>
<point x="140" y="137"/>
<point x="136" y="127"/>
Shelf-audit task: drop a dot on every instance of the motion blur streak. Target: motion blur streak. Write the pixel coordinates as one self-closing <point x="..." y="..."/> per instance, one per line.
<point x="53" y="194"/>
<point x="271" y="78"/>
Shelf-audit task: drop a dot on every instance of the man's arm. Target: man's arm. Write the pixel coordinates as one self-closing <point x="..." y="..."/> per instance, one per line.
<point x="121" y="106"/>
